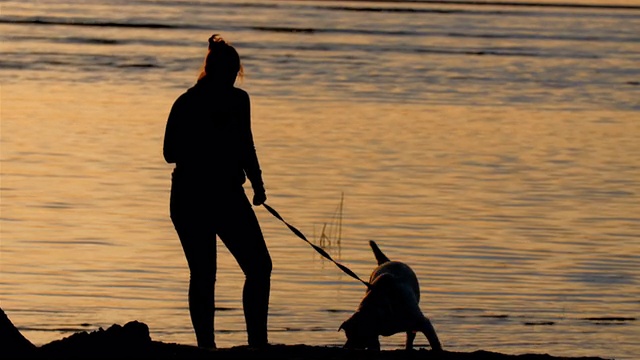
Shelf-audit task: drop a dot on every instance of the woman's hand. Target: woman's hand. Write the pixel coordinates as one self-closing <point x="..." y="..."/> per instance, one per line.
<point x="259" y="198"/>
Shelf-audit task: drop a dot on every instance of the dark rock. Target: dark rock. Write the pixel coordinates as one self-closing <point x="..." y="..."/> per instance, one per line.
<point x="117" y="341"/>
<point x="12" y="343"/>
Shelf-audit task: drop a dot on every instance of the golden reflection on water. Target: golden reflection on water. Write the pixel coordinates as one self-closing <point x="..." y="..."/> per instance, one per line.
<point x="500" y="210"/>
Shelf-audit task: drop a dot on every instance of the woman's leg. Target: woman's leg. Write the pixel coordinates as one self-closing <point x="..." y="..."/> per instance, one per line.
<point x="198" y="238"/>
<point x="240" y="231"/>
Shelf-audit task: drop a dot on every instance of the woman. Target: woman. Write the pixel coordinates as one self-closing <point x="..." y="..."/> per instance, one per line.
<point x="208" y="137"/>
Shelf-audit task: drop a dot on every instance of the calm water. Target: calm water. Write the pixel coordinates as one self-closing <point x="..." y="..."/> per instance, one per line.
<point x="493" y="148"/>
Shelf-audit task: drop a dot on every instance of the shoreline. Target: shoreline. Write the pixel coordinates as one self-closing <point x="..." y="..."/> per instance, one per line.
<point x="133" y="340"/>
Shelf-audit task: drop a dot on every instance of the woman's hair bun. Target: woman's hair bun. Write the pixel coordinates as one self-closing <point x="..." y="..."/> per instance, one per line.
<point x="216" y="40"/>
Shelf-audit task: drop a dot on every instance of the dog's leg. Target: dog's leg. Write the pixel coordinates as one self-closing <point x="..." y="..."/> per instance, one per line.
<point x="411" y="335"/>
<point x="430" y="333"/>
<point x="374" y="344"/>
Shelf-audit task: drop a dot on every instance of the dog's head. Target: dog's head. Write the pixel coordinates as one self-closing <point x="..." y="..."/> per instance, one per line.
<point x="369" y="321"/>
<point x="360" y="333"/>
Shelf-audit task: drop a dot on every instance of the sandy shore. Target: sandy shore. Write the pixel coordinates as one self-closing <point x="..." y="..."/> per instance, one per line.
<point x="133" y="341"/>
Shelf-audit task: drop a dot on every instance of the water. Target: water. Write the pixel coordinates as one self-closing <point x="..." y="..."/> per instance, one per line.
<point x="493" y="148"/>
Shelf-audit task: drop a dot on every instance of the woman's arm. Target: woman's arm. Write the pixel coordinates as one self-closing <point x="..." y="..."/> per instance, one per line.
<point x="172" y="131"/>
<point x="251" y="165"/>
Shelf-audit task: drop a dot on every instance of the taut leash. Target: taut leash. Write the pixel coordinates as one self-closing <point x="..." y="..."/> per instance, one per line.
<point x="317" y="248"/>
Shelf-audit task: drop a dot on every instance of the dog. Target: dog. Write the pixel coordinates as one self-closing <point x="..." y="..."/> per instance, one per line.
<point x="390" y="306"/>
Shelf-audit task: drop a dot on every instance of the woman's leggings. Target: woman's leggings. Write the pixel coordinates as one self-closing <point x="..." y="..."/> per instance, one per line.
<point x="198" y="218"/>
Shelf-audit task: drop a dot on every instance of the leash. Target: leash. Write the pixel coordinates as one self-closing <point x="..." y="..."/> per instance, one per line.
<point x="317" y="248"/>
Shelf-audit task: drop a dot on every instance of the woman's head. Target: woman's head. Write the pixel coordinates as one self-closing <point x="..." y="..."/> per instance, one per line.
<point x="222" y="63"/>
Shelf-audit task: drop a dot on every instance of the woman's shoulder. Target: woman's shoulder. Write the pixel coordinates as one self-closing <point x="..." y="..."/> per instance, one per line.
<point x="185" y="95"/>
<point x="240" y="92"/>
<point x="191" y="95"/>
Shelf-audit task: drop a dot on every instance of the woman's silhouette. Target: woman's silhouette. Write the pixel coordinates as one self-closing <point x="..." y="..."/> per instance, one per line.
<point x="208" y="137"/>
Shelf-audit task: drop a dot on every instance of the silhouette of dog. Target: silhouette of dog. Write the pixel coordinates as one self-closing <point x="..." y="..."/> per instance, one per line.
<point x="390" y="306"/>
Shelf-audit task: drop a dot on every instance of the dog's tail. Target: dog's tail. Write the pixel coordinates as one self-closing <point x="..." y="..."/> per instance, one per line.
<point x="380" y="256"/>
